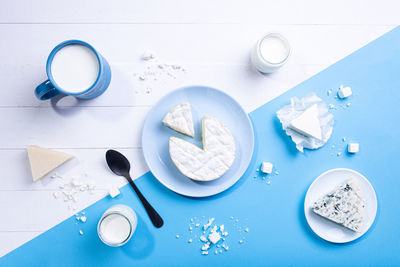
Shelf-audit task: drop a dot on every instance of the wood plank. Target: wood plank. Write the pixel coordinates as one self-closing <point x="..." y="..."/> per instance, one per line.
<point x="89" y="165"/>
<point x="206" y="11"/>
<point x="38" y="211"/>
<point x="222" y="62"/>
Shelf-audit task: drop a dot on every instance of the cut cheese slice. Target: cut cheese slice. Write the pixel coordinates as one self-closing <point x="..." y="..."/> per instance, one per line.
<point x="43" y="160"/>
<point x="308" y="123"/>
<point x="345" y="205"/>
<point x="180" y="119"/>
<point x="211" y="162"/>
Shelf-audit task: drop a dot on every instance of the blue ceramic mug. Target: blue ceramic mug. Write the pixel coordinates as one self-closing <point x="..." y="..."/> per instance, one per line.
<point x="51" y="88"/>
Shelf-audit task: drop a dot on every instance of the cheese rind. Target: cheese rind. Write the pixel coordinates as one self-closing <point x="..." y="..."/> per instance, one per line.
<point x="308" y="123"/>
<point x="180" y="119"/>
<point x="43" y="160"/>
<point x="345" y="205"/>
<point x="211" y="162"/>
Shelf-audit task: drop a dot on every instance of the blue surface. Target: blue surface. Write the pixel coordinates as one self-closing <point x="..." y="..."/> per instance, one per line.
<point x="203" y="101"/>
<point x="279" y="234"/>
<point x="49" y="88"/>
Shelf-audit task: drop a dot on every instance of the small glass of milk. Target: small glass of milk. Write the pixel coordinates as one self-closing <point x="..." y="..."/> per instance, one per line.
<point x="117" y="225"/>
<point x="270" y="53"/>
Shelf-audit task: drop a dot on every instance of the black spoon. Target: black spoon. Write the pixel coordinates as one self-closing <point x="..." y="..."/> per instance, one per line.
<point x="119" y="165"/>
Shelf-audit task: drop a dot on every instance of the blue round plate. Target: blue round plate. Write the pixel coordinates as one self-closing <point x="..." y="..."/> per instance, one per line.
<point x="204" y="101"/>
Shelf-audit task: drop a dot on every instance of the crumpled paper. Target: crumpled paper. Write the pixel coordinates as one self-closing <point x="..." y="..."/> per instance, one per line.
<point x="298" y="106"/>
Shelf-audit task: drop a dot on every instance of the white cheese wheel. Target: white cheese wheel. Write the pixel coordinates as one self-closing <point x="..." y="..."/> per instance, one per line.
<point x="211" y="162"/>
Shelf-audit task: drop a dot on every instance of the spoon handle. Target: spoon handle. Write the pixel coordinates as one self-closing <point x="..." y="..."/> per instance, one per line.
<point x="154" y="216"/>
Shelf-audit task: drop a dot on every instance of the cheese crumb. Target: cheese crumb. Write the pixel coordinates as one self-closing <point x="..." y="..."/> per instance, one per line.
<point x="222" y="228"/>
<point x="205" y="253"/>
<point x="177" y="236"/>
<point x="205" y="246"/>
<point x="203" y="238"/>
<point x="190" y="241"/>
<point x="267" y="167"/>
<point x="83" y="219"/>
<point x="246" y="229"/>
<point x="210" y="221"/>
<point x="80" y="232"/>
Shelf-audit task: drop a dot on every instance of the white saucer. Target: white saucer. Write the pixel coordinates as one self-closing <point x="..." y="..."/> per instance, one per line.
<point x="324" y="184"/>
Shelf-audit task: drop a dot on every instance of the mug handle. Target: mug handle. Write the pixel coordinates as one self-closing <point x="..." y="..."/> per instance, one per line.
<point x="46" y="90"/>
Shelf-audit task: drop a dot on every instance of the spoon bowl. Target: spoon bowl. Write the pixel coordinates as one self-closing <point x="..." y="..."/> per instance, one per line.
<point x="117" y="162"/>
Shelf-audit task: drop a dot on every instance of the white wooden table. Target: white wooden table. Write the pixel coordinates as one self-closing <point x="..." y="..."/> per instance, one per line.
<point x="211" y="39"/>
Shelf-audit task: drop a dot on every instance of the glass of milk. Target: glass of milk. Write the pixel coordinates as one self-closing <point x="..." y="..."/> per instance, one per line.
<point x="117" y="225"/>
<point x="270" y="53"/>
<point x="75" y="68"/>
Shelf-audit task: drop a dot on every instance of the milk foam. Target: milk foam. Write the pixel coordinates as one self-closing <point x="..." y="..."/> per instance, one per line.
<point x="75" y="68"/>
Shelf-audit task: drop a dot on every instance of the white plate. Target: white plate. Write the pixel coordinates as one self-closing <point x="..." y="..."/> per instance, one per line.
<point x="324" y="184"/>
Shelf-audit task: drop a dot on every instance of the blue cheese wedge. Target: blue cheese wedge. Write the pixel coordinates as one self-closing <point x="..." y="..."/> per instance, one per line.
<point x="345" y="205"/>
<point x="308" y="123"/>
<point x="211" y="162"/>
<point x="180" y="119"/>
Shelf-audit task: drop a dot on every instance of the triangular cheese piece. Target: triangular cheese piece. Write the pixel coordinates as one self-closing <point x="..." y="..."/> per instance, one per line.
<point x="43" y="160"/>
<point x="180" y="119"/>
<point x="308" y="123"/>
<point x="211" y="162"/>
<point x="345" y="205"/>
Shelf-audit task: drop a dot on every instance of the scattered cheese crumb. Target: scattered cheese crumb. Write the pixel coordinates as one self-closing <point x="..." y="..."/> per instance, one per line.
<point x="148" y="55"/>
<point x="348" y="104"/>
<point x="197" y="224"/>
<point x="344" y="139"/>
<point x="83" y="219"/>
<point x="331" y="106"/>
<point x="204" y="252"/>
<point x="177" y="236"/>
<point x="268" y="182"/>
<point x="339" y="154"/>
<point x="222" y="228"/>
<point x="80" y="232"/>
<point x="210" y="221"/>
<point x="203" y="238"/>
<point x="205" y="246"/>
<point x="190" y="241"/>
<point x="246" y="229"/>
<point x="241" y="241"/>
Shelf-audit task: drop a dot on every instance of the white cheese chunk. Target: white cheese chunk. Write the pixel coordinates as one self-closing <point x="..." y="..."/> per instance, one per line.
<point x="214" y="237"/>
<point x="353" y="148"/>
<point x="43" y="160"/>
<point x="180" y="119"/>
<point x="211" y="162"/>
<point x="345" y="205"/>
<point x="344" y="92"/>
<point x="266" y="167"/>
<point x="113" y="192"/>
<point x="308" y="123"/>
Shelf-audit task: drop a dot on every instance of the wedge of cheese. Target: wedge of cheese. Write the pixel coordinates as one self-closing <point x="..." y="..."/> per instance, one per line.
<point x="308" y="123"/>
<point x="211" y="162"/>
<point x="180" y="119"/>
<point x="43" y="160"/>
<point x="345" y="205"/>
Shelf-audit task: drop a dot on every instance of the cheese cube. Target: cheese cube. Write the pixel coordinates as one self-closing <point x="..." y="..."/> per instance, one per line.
<point x="214" y="237"/>
<point x="344" y="92"/>
<point x="113" y="192"/>
<point x="353" y="147"/>
<point x="267" y="167"/>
